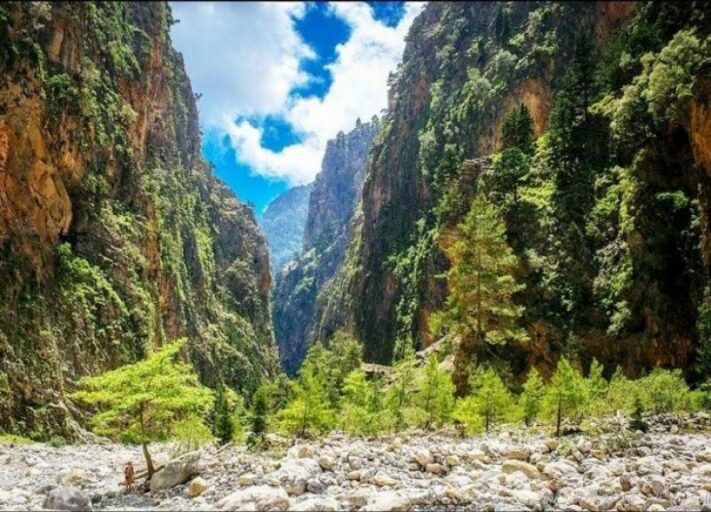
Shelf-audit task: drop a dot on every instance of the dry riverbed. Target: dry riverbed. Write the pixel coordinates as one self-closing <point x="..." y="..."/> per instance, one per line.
<point x="668" y="468"/>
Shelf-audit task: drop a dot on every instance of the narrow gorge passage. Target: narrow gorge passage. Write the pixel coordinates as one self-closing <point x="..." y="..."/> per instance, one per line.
<point x="355" y="256"/>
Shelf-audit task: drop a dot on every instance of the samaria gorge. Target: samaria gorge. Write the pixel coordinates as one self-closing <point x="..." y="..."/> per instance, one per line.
<point x="360" y="256"/>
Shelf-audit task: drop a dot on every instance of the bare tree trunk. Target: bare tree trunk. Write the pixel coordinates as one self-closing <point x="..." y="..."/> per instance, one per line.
<point x="303" y="422"/>
<point x="149" y="461"/>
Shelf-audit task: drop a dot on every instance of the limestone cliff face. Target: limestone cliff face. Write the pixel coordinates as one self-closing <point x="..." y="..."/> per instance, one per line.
<point x="299" y="286"/>
<point x="465" y="66"/>
<point x="283" y="223"/>
<point x="114" y="234"/>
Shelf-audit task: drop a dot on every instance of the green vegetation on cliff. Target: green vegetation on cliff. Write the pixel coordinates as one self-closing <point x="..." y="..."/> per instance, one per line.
<point x="583" y="127"/>
<point x="114" y="235"/>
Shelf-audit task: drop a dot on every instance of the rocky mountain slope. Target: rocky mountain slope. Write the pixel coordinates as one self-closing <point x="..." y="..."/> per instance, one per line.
<point x="283" y="223"/>
<point x="608" y="210"/>
<point x="114" y="234"/>
<point x="332" y="204"/>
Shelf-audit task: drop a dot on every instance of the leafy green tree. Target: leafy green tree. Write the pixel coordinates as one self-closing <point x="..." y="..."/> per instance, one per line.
<point x="490" y="398"/>
<point x="223" y="429"/>
<point x="435" y="393"/>
<point x="258" y="415"/>
<point x="142" y="402"/>
<point x="531" y="399"/>
<point x="566" y="393"/>
<point x="480" y="306"/>
<point x="310" y="409"/>
<point x="400" y="396"/>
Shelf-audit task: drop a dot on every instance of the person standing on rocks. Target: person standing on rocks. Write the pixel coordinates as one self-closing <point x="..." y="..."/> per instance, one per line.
<point x="128" y="475"/>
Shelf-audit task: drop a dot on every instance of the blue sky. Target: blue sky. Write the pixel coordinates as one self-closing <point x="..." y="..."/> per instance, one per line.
<point x="280" y="79"/>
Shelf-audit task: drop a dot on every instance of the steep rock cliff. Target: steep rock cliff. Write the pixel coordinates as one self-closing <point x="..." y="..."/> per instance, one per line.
<point x="283" y="223"/>
<point x="114" y="234"/>
<point x="620" y="279"/>
<point x="334" y="197"/>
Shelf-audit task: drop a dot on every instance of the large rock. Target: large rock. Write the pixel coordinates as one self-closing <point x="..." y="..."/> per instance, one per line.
<point x="75" y="477"/>
<point x="704" y="456"/>
<point x="327" y="462"/>
<point x="388" y="501"/>
<point x="196" y="487"/>
<point x="66" y="498"/>
<point x="300" y="451"/>
<point x="559" y="469"/>
<point x="529" y="498"/>
<point x="13" y="498"/>
<point x="648" y="466"/>
<point x="359" y="497"/>
<point x="423" y="457"/>
<point x="258" y="498"/>
<point x="511" y="466"/>
<point x="631" y="503"/>
<point x="517" y="453"/>
<point x="325" y="504"/>
<point x="383" y="480"/>
<point x="176" y="472"/>
<point x="294" y="475"/>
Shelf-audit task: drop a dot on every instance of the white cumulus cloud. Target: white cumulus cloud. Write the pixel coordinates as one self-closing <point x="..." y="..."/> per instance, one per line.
<point x="245" y="58"/>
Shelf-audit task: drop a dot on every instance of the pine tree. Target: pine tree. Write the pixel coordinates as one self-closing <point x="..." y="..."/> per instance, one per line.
<point x="145" y="400"/>
<point x="491" y="400"/>
<point x="466" y="413"/>
<point x="480" y="306"/>
<point x="223" y="428"/>
<point x="258" y="415"/>
<point x="435" y="394"/>
<point x="566" y="393"/>
<point x="703" y="332"/>
<point x="310" y="410"/>
<point x="596" y="383"/>
<point x="517" y="130"/>
<point x="531" y="399"/>
<point x="362" y="411"/>
<point x="400" y="396"/>
<point x="620" y="391"/>
<point x="346" y="355"/>
<point x="509" y="167"/>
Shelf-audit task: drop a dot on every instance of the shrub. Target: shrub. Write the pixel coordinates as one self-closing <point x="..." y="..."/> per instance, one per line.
<point x="664" y="391"/>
